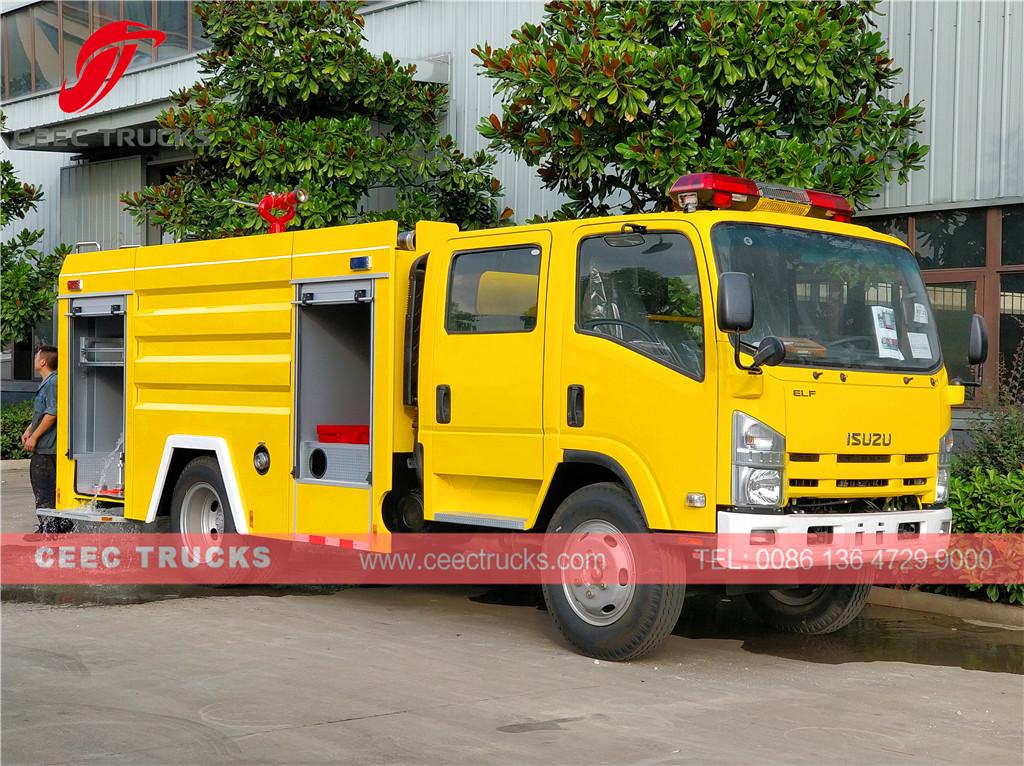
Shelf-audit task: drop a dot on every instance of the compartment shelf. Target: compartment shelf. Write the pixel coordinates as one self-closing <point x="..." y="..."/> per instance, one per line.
<point x="101" y="352"/>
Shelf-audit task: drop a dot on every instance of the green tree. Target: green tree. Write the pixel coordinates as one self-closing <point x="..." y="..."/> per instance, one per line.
<point x="28" y="276"/>
<point x="289" y="97"/>
<point x="613" y="101"/>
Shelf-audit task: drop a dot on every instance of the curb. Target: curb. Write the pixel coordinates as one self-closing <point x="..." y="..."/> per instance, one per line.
<point x="950" y="606"/>
<point x="15" y="465"/>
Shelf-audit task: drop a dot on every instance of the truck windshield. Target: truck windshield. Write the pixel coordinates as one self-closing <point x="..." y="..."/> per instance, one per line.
<point x="835" y="301"/>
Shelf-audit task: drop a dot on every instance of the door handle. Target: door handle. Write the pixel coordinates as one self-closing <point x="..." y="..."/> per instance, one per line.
<point x="574" y="409"/>
<point x="444" y="404"/>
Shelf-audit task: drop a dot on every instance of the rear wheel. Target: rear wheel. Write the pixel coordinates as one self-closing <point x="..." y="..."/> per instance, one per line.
<point x="604" y="612"/>
<point x="200" y="512"/>
<point x="810" y="609"/>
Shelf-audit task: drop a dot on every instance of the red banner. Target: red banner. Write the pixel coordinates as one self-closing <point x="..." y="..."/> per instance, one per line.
<point x="510" y="558"/>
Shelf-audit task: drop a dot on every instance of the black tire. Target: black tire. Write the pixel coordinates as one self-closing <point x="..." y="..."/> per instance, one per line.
<point x="651" y="611"/>
<point x="201" y="472"/>
<point x="812" y="610"/>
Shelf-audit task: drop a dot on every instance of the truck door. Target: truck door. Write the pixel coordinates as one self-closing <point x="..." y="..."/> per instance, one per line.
<point x="638" y="371"/>
<point x="482" y="378"/>
<point x="97" y="388"/>
<point x="334" y="393"/>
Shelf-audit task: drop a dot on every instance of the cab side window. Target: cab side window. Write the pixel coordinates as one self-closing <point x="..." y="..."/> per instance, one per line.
<point x="493" y="291"/>
<point x="642" y="291"/>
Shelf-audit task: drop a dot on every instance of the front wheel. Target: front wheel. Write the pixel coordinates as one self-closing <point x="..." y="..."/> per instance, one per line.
<point x="810" y="609"/>
<point x="604" y="612"/>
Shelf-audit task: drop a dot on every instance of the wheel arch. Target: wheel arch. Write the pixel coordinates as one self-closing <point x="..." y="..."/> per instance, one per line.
<point x="179" y="450"/>
<point x="578" y="469"/>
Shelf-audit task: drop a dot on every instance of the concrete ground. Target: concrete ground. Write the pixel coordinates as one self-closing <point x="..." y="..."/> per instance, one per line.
<point x="462" y="675"/>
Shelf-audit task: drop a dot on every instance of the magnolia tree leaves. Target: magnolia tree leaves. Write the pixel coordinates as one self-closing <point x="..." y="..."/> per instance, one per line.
<point x="288" y="98"/>
<point x="613" y="101"/>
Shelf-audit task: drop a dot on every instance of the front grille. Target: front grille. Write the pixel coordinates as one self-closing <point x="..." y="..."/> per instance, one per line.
<point x="852" y="504"/>
<point x="803" y="482"/>
<point x="810" y="475"/>
<point x="863" y="458"/>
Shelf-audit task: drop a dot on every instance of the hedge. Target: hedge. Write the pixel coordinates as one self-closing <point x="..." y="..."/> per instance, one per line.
<point x="14" y="419"/>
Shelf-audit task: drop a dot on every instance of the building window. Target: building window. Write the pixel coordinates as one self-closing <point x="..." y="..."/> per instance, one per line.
<point x="950" y="239"/>
<point x="17" y="53"/>
<point x="1011" y="337"/>
<point x="893" y="225"/>
<point x="41" y="42"/>
<point x="953" y="304"/>
<point x="1013" y="235"/>
<point x="973" y="262"/>
<point x="75" y="28"/>
<point x="17" y="361"/>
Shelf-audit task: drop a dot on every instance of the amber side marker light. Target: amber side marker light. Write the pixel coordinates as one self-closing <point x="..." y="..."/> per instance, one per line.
<point x="722" y="192"/>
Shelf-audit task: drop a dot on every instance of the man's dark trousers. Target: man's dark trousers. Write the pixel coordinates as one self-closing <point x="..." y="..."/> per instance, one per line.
<point x="43" y="474"/>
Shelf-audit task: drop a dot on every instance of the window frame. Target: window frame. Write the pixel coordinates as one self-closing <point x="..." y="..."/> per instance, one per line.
<point x="449" y="279"/>
<point x="988" y="279"/>
<point x="580" y="330"/>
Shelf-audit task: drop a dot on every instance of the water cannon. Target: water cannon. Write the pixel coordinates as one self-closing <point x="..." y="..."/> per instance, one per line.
<point x="278" y="209"/>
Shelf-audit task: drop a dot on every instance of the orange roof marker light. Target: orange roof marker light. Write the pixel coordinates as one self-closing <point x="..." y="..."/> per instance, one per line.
<point x="720" y="192"/>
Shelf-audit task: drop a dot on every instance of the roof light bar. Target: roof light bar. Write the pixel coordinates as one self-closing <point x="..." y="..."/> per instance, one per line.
<point x="834" y="206"/>
<point x="720" y="191"/>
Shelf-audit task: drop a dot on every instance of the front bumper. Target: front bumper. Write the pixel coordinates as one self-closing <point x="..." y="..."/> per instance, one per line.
<point x="807" y="540"/>
<point x="936" y="521"/>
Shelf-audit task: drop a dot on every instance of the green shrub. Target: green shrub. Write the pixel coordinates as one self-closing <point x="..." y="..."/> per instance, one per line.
<point x="987" y="501"/>
<point x="14" y="419"/>
<point x="998" y="444"/>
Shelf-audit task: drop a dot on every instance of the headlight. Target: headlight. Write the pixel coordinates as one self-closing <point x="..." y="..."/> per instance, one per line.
<point x="758" y="460"/>
<point x="942" y="477"/>
<point x="942" y="486"/>
<point x="758" y="486"/>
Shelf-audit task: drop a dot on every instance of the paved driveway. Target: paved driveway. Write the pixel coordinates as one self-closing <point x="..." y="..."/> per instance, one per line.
<point x="467" y="676"/>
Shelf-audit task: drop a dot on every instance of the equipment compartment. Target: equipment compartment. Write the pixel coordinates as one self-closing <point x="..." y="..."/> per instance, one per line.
<point x="334" y="380"/>
<point x="97" y="380"/>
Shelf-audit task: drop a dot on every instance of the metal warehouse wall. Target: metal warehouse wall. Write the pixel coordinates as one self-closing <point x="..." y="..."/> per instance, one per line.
<point x="90" y="209"/>
<point x="965" y="60"/>
<point x="424" y="29"/>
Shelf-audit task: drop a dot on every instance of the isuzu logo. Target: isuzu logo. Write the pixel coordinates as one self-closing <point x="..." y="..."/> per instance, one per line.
<point x="862" y="439"/>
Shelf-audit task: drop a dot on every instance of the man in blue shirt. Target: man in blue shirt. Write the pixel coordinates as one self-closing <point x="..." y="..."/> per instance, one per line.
<point x="40" y="438"/>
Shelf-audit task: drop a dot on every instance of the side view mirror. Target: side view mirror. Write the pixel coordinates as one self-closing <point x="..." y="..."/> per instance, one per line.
<point x="977" y="351"/>
<point x="977" y="345"/>
<point x="770" y="352"/>
<point x="735" y="302"/>
<point x="736" y="316"/>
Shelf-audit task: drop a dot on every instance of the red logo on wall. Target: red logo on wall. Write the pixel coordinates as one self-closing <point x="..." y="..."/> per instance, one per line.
<point x="102" y="61"/>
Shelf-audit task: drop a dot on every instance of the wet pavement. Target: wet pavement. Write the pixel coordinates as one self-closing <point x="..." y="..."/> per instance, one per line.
<point x="194" y="674"/>
<point x="478" y="675"/>
<point x="880" y="634"/>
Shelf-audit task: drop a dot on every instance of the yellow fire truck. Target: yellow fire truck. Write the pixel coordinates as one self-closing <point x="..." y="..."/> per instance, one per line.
<point x="750" y="364"/>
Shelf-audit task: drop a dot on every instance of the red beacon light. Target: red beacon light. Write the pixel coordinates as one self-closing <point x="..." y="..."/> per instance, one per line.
<point x="720" y="192"/>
